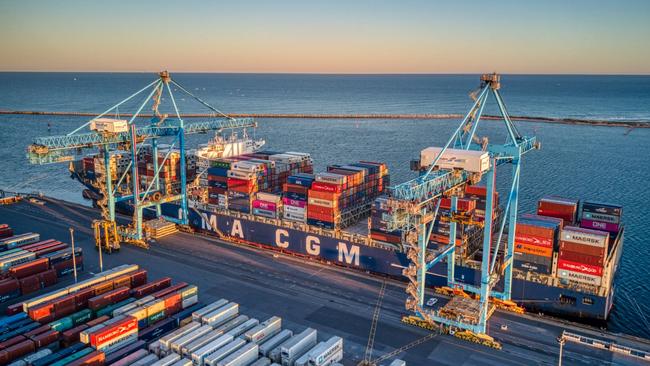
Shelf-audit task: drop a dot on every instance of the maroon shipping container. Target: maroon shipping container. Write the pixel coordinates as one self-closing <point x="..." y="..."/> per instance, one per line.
<point x="37" y="331"/>
<point x="533" y="230"/>
<point x="61" y="267"/>
<point x="151" y="287"/>
<point x="16" y="351"/>
<point x="64" y="302"/>
<point x="30" y="268"/>
<point x="50" y="249"/>
<point x="29" y="247"/>
<point x="11" y="341"/>
<point x="582" y="248"/>
<point x="122" y="281"/>
<point x="71" y="336"/>
<point x="103" y="287"/>
<point x="82" y="296"/>
<point x="108" y="298"/>
<point x="14" y="309"/>
<point x="563" y="208"/>
<point x="96" y="321"/>
<point x="48" y="278"/>
<point x="9" y="285"/>
<point x="138" y="278"/>
<point x="30" y="284"/>
<point x="591" y="260"/>
<point x="46" y="338"/>
<point x="169" y="290"/>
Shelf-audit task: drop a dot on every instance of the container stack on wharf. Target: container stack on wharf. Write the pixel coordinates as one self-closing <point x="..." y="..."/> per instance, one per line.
<point x="120" y="317"/>
<point x="28" y="264"/>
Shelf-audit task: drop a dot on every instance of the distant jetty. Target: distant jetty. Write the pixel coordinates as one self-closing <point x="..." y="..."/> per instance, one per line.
<point x="566" y="121"/>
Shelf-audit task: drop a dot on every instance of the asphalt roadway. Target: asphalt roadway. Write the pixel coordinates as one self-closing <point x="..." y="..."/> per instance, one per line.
<point x="333" y="300"/>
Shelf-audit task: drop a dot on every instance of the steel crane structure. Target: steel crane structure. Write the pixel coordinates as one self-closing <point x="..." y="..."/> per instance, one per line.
<point x="72" y="146"/>
<point x="415" y="207"/>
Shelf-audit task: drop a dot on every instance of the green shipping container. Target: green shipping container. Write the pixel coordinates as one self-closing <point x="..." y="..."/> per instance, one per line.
<point x="81" y="316"/>
<point x="72" y="357"/>
<point x="62" y="324"/>
<point x="221" y="164"/>
<point x="156" y="317"/>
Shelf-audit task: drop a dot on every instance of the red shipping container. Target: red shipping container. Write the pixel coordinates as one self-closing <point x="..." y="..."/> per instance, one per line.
<point x="582" y="258"/>
<point x="314" y="209"/>
<point x="9" y="285"/>
<point x="30" y="284"/>
<point x="46" y="338"/>
<point x="294" y="188"/>
<point x="533" y="230"/>
<point x="151" y="287"/>
<point x="113" y="331"/>
<point x="14" y="309"/>
<point x="326" y="187"/>
<point x="16" y="351"/>
<point x="173" y="303"/>
<point x="30" y="268"/>
<point x="562" y="208"/>
<point x="82" y="296"/>
<point x="582" y="248"/>
<point x="62" y="304"/>
<point x="138" y="278"/>
<point x="234" y="182"/>
<point x="534" y="240"/>
<point x="477" y="190"/>
<point x="580" y="267"/>
<point x="385" y="237"/>
<point x="48" y="278"/>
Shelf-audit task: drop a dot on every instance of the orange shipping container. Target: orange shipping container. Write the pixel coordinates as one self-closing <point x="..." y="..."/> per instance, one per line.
<point x="320" y="210"/>
<point x="321" y="217"/>
<point x="533" y="249"/>
<point x="329" y="196"/>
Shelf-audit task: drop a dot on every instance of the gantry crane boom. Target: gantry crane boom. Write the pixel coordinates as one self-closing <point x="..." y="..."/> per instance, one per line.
<point x="128" y="138"/>
<point x="415" y="206"/>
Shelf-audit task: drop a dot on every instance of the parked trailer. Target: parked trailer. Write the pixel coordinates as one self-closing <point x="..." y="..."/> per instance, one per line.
<point x="183" y="362"/>
<point x="261" y="362"/>
<point x="168" y="360"/>
<point x="240" y="329"/>
<point x="199" y="356"/>
<point x="297" y="346"/>
<point x="198" y="343"/>
<point x="224" y="351"/>
<point x="229" y="325"/>
<point x="398" y="363"/>
<point x="264" y="330"/>
<point x="242" y="357"/>
<point x="221" y="315"/>
<point x="189" y="337"/>
<point x="132" y="358"/>
<point x="325" y="353"/>
<point x="304" y="359"/>
<point x="275" y="342"/>
<point x="145" y="361"/>
<point x="197" y="315"/>
<point x="165" y="342"/>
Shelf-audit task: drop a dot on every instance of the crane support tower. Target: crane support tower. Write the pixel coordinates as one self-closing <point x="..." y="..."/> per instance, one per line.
<point x="415" y="207"/>
<point x="107" y="133"/>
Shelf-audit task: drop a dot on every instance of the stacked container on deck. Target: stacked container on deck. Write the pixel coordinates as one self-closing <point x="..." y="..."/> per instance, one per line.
<point x="441" y="228"/>
<point x="294" y="198"/>
<point x="535" y="240"/>
<point x="342" y="188"/>
<point x="27" y="267"/>
<point x="479" y="194"/>
<point x="234" y="182"/>
<point x="379" y="218"/>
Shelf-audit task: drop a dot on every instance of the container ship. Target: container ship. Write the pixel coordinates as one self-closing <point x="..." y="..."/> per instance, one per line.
<point x="566" y="254"/>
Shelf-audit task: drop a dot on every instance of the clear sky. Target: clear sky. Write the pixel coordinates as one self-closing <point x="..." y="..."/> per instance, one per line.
<point x="328" y="36"/>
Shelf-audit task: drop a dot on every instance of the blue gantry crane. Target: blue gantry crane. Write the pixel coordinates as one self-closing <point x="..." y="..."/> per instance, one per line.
<point x="108" y="134"/>
<point x="415" y="207"/>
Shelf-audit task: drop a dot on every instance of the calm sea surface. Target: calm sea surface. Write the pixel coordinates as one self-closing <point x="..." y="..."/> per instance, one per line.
<point x="603" y="163"/>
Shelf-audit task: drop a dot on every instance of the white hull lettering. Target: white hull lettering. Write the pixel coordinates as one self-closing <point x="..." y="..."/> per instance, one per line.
<point x="237" y="229"/>
<point x="279" y="242"/>
<point x="312" y="245"/>
<point x="348" y="256"/>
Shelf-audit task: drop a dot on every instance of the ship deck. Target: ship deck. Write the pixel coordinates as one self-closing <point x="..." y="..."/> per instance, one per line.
<point x="332" y="299"/>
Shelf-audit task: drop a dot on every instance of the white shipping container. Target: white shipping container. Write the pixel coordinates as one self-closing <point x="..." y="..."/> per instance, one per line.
<point x="330" y="178"/>
<point x="132" y="358"/>
<point x="242" y="357"/>
<point x="224" y="351"/>
<point x="189" y="337"/>
<point x="579" y="277"/>
<point x="240" y="329"/>
<point x="109" y="125"/>
<point x="145" y="361"/>
<point x="261" y="362"/>
<point x="199" y="355"/>
<point x="197" y="315"/>
<point x="221" y="315"/>
<point x="297" y="346"/>
<point x="397" y="363"/>
<point x="585" y="236"/>
<point x="304" y="359"/>
<point x="264" y="330"/>
<point x="165" y="342"/>
<point x="183" y="362"/>
<point x="154" y="347"/>
<point x="168" y="360"/>
<point x="295" y="210"/>
<point x="274" y="342"/>
<point x="240" y="175"/>
<point x="190" y="301"/>
<point x="230" y="324"/>
<point x="196" y="344"/>
<point x="329" y="352"/>
<point x="295" y="217"/>
<point x="470" y="160"/>
<point x="269" y="197"/>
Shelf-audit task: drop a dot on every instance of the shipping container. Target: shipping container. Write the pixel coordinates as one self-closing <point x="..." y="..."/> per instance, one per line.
<point x="125" y="351"/>
<point x="241" y="329"/>
<point x="167" y="360"/>
<point x="468" y="160"/>
<point x="199" y="342"/>
<point x="145" y="361"/>
<point x="223" y="352"/>
<point x="261" y="362"/>
<point x="131" y="358"/>
<point x="264" y="330"/>
<point x="157" y="330"/>
<point x="199" y="355"/>
<point x="177" y="344"/>
<point x="221" y="315"/>
<point x="297" y="346"/>
<point x="274" y="342"/>
<point x="242" y="357"/>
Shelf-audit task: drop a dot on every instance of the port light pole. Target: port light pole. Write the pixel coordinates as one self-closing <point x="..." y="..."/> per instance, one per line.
<point x="74" y="259"/>
<point x="561" y="341"/>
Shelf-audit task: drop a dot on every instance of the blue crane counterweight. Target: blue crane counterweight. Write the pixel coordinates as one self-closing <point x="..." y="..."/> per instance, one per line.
<point x="127" y="136"/>
<point x="415" y="207"/>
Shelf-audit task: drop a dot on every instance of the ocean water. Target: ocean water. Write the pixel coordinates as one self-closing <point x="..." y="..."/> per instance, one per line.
<point x="602" y="163"/>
